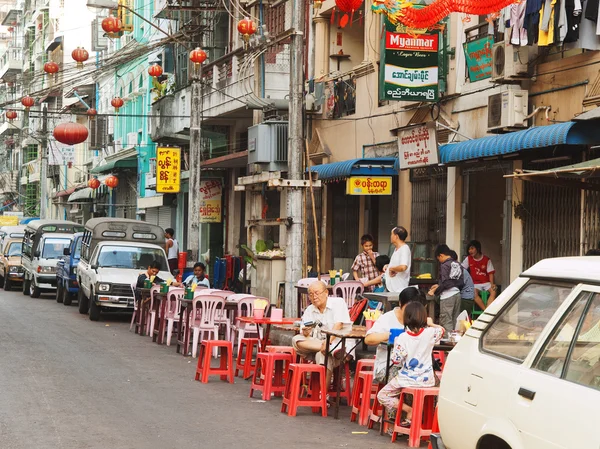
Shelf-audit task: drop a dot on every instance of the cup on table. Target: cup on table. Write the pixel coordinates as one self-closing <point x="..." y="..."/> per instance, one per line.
<point x="276" y="314"/>
<point x="393" y="334"/>
<point x="164" y="288"/>
<point x="259" y="313"/>
<point x="147" y="283"/>
<point x="369" y="324"/>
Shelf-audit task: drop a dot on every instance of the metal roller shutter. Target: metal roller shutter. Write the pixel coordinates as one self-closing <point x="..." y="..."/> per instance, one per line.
<point x="165" y="217"/>
<point x="151" y="215"/>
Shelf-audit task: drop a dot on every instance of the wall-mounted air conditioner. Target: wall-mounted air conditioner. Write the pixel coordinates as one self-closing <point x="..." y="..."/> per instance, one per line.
<point x="507" y="110"/>
<point x="509" y="62"/>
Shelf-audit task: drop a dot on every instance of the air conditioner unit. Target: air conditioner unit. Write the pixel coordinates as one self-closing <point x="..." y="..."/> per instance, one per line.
<point x="507" y="110"/>
<point x="311" y="104"/>
<point x="509" y="61"/>
<point x="268" y="146"/>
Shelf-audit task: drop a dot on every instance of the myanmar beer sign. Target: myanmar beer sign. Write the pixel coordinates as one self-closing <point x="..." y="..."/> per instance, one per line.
<point x="410" y="64"/>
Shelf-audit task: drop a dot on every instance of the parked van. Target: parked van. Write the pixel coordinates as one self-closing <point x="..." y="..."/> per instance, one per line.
<point x="43" y="244"/>
<point x="16" y="232"/>
<point x="11" y="268"/>
<point x="66" y="271"/>
<point x="113" y="254"/>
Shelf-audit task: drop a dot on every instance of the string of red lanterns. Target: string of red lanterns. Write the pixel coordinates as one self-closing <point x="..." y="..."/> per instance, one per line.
<point x="80" y="55"/>
<point x="198" y="56"/>
<point x="11" y="115"/>
<point x="117" y="103"/>
<point x="112" y="25"/>
<point x="246" y="28"/>
<point x="70" y="133"/>
<point x="94" y="183"/>
<point x="155" y="71"/>
<point x="51" y="67"/>
<point x="112" y="181"/>
<point x="92" y="113"/>
<point x="346" y="7"/>
<point x="27" y="102"/>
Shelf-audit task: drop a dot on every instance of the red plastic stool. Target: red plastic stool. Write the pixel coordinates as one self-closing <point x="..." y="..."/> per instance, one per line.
<point x="377" y="409"/>
<point x="423" y="411"/>
<point x="435" y="428"/>
<point x="345" y="393"/>
<point x="440" y="356"/>
<point x="365" y="365"/>
<point x="361" y="397"/>
<point x="270" y="373"/>
<point x="285" y="350"/>
<point x="293" y="388"/>
<point x="244" y="358"/>
<point x="225" y="369"/>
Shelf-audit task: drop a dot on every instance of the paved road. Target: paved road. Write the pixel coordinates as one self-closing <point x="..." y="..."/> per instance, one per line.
<point x="67" y="382"/>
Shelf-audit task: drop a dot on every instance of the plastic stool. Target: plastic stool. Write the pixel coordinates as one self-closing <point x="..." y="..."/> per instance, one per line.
<point x="292" y="397"/>
<point x="377" y="409"/>
<point x="244" y="359"/>
<point x="285" y="350"/>
<point x="225" y="369"/>
<point x="435" y="428"/>
<point x="440" y="356"/>
<point x="361" y="397"/>
<point x="270" y="373"/>
<point x="345" y="393"/>
<point x="365" y="365"/>
<point x="476" y="311"/>
<point x="423" y="411"/>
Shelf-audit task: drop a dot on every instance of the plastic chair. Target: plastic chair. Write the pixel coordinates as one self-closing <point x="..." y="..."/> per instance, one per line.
<point x="345" y="276"/>
<point x="173" y="309"/>
<point x="305" y="282"/>
<point x="206" y="309"/>
<point x="225" y="319"/>
<point x="135" y="306"/>
<point x="476" y="310"/>
<point x="348" y="290"/>
<point x="150" y="319"/>
<point x="245" y="307"/>
<point x="423" y="414"/>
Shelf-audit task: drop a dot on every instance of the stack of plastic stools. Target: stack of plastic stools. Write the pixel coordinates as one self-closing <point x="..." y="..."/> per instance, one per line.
<point x="361" y="397"/>
<point x="316" y="397"/>
<point x="225" y="369"/>
<point x="422" y="416"/>
<point x="365" y="365"/>
<point x="285" y="349"/>
<point x="270" y="373"/>
<point x="377" y="409"/>
<point x="346" y="392"/>
<point x="244" y="358"/>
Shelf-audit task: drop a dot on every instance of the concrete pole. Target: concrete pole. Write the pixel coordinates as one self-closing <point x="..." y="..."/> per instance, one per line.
<point x="193" y="237"/>
<point x="293" y="251"/>
<point x="44" y="163"/>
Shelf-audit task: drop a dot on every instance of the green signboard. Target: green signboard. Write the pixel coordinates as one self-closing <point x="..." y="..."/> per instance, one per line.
<point x="478" y="54"/>
<point x="410" y="65"/>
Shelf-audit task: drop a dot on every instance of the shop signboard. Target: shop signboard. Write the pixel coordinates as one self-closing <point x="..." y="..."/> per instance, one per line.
<point x="418" y="146"/>
<point x="410" y="62"/>
<point x="211" y="192"/>
<point x="59" y="154"/>
<point x="168" y="169"/>
<point x="478" y="55"/>
<point x="369" y="185"/>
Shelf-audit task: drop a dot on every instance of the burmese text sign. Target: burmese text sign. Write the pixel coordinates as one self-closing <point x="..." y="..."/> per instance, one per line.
<point x="168" y="167"/>
<point x="478" y="54"/>
<point x="369" y="185"/>
<point x="418" y="146"/>
<point x="211" y="192"/>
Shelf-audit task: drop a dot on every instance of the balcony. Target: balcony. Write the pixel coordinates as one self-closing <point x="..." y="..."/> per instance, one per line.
<point x="11" y="64"/>
<point x="31" y="172"/>
<point x="164" y="126"/>
<point x="9" y="129"/>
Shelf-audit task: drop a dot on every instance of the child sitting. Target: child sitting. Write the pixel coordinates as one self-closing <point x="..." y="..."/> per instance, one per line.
<point x="198" y="278"/>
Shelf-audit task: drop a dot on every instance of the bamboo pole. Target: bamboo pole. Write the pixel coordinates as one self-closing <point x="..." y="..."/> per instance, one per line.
<point x="314" y="211"/>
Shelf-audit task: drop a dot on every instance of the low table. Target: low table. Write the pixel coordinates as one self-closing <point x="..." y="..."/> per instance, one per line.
<point x="268" y="322"/>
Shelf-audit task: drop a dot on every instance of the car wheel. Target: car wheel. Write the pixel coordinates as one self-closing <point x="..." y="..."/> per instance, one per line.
<point x="59" y="292"/>
<point x="94" y="310"/>
<point x="26" y="286"/>
<point x="67" y="298"/>
<point x="2" y="281"/>
<point x="7" y="285"/>
<point x="83" y="302"/>
<point x="34" y="290"/>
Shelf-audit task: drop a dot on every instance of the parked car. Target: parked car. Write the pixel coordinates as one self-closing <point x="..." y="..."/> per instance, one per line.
<point x="526" y="375"/>
<point x="66" y="271"/>
<point x="113" y="254"/>
<point x="43" y="245"/>
<point x="11" y="269"/>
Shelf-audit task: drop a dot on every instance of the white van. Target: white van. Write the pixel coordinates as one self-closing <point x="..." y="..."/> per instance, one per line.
<point x="526" y="375"/>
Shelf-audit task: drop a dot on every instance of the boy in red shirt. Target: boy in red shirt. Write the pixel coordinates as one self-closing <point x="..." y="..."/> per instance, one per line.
<point x="482" y="271"/>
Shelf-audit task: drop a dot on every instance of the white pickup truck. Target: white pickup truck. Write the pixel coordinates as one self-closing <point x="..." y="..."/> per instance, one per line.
<point x="114" y="252"/>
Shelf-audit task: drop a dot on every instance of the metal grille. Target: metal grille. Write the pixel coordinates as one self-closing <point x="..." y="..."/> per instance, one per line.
<point x="591" y="220"/>
<point x="280" y="131"/>
<point x="121" y="290"/>
<point x="345" y="222"/>
<point x="428" y="185"/>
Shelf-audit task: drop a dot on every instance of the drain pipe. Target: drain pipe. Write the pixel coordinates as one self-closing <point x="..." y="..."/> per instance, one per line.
<point x="536" y="110"/>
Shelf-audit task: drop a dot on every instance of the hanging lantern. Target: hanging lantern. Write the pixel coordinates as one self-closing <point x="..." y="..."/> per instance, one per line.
<point x="70" y="133"/>
<point x="117" y="103"/>
<point x="11" y="115"/>
<point x="92" y="113"/>
<point x="112" y="181"/>
<point x="27" y="101"/>
<point x="155" y="71"/>
<point x="93" y="183"/>
<point x="51" y="67"/>
<point x="80" y="55"/>
<point x="112" y="25"/>
<point x="347" y="7"/>
<point x="247" y="28"/>
<point x="198" y="56"/>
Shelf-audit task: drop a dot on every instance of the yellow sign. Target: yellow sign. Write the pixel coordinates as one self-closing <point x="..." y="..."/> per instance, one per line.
<point x="369" y="185"/>
<point x="168" y="168"/>
<point x="9" y="220"/>
<point x="211" y="191"/>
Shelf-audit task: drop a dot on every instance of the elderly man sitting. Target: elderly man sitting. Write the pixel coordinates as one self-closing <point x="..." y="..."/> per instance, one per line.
<point x="324" y="313"/>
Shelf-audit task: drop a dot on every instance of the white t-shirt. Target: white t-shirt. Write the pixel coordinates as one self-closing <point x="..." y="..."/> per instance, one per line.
<point x="336" y="311"/>
<point x="400" y="281"/>
<point x="385" y="322"/>
<point x="413" y="353"/>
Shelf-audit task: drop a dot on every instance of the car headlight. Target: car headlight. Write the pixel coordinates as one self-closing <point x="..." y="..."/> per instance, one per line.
<point x="47" y="270"/>
<point x="14" y="269"/>
<point x="103" y="287"/>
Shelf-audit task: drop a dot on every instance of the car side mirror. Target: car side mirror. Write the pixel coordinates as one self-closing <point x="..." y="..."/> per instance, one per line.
<point x="36" y="254"/>
<point x="94" y="266"/>
<point x="67" y="252"/>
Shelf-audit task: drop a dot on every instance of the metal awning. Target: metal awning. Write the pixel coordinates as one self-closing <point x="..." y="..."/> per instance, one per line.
<point x="233" y="160"/>
<point x="127" y="163"/>
<point x="54" y="43"/>
<point x="567" y="176"/>
<point x="66" y="192"/>
<point x="80" y="195"/>
<point x="376" y="166"/>
<point x="568" y="133"/>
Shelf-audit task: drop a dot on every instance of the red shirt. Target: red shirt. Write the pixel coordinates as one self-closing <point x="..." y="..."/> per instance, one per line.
<point x="479" y="270"/>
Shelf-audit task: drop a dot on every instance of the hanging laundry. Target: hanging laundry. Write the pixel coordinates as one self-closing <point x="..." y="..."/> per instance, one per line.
<point x="503" y="18"/>
<point x="573" y="21"/>
<point x="532" y="20"/>
<point x="562" y="22"/>
<point x="588" y="39"/>
<point x="546" y="35"/>
<point x="591" y="11"/>
<point x="517" y="20"/>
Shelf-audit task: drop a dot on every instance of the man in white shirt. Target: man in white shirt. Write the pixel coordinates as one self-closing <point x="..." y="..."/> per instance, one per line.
<point x="397" y="275"/>
<point x="324" y="313"/>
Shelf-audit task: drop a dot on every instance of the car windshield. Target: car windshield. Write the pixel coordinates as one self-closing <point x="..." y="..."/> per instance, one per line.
<point x="130" y="257"/>
<point x="54" y="248"/>
<point x="77" y="254"/>
<point x="15" y="249"/>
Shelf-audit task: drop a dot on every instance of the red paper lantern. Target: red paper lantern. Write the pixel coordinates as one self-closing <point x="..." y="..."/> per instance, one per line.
<point x="11" y="115"/>
<point x="112" y="181"/>
<point x="70" y="133"/>
<point x="92" y="113"/>
<point x="346" y="7"/>
<point x="112" y="25"/>
<point x="80" y="55"/>
<point x="247" y="28"/>
<point x="27" y="101"/>
<point x="155" y="70"/>
<point x="93" y="183"/>
<point x="198" y="56"/>
<point x="117" y="103"/>
<point x="51" y="67"/>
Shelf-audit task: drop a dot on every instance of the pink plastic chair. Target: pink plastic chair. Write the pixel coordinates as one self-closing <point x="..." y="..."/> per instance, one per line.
<point x="151" y="313"/>
<point x="348" y="290"/>
<point x="225" y="319"/>
<point x="135" y="306"/>
<point x="172" y="310"/>
<point x="245" y="308"/>
<point x="206" y="311"/>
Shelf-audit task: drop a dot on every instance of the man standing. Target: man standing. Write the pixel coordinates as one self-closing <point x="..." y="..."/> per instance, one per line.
<point x="172" y="249"/>
<point x="449" y="285"/>
<point x="397" y="275"/>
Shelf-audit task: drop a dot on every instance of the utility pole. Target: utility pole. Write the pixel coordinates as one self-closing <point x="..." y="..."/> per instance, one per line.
<point x="44" y="163"/>
<point x="193" y="237"/>
<point x="293" y="251"/>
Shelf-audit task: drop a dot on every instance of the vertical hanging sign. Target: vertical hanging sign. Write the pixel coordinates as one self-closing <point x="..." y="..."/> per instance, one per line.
<point x="168" y="167"/>
<point x="211" y="191"/>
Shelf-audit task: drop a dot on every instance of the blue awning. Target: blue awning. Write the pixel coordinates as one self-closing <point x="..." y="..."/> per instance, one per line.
<point x="568" y="133"/>
<point x="376" y="166"/>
